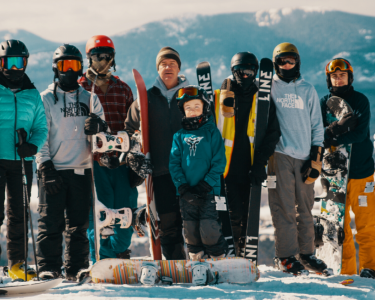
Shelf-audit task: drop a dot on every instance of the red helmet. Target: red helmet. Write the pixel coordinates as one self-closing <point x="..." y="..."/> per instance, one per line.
<point x="99" y="41"/>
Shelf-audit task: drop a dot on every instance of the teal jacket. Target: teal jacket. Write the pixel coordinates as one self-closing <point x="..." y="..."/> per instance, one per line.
<point x="196" y="155"/>
<point x="22" y="109"/>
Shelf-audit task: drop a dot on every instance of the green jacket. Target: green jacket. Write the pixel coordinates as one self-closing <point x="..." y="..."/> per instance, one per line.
<point x="21" y="109"/>
<point x="196" y="155"/>
<point x="361" y="161"/>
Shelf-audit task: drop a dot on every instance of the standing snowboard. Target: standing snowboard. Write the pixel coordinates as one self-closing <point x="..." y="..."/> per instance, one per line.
<point x="334" y="179"/>
<point x="152" y="219"/>
<point x="128" y="271"/>
<point x="204" y="81"/>
<point x="249" y="244"/>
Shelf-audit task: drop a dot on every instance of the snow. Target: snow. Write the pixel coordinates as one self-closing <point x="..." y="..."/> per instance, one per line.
<point x="273" y="284"/>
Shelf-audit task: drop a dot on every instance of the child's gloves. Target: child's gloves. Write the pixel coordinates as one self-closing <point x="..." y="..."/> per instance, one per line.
<point x="201" y="189"/>
<point x="185" y="194"/>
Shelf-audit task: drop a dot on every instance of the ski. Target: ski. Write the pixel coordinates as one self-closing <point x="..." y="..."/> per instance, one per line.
<point x="13" y="288"/>
<point x="152" y="219"/>
<point x="249" y="243"/>
<point x="334" y="180"/>
<point x="204" y="81"/>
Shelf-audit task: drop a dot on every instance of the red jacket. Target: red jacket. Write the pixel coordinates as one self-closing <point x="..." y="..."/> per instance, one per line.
<point x="116" y="102"/>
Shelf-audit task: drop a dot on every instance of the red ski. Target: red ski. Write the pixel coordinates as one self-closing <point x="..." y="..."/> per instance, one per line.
<point x="152" y="218"/>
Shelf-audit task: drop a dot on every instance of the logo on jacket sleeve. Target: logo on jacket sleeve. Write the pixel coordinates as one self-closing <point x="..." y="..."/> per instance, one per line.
<point x="193" y="142"/>
<point x="291" y="101"/>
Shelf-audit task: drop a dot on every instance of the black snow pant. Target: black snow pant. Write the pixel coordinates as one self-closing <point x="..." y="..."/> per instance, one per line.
<point x="238" y="200"/>
<point x="11" y="177"/>
<point x="65" y="212"/>
<point x="170" y="227"/>
<point x="202" y="229"/>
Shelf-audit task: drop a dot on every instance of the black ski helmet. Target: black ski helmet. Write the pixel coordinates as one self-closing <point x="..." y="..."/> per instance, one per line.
<point x="13" y="48"/>
<point x="202" y="95"/>
<point x="66" y="52"/>
<point x="244" y="58"/>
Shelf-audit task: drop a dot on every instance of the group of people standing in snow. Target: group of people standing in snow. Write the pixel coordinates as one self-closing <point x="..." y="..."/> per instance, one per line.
<point x="189" y="153"/>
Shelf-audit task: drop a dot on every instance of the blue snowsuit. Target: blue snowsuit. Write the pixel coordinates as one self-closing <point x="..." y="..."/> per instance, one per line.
<point x="199" y="155"/>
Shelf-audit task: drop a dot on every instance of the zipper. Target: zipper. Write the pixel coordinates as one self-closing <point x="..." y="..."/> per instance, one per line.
<point x="15" y="126"/>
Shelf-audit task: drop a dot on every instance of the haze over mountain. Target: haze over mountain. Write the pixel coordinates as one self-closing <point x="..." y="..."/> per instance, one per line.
<point x="319" y="36"/>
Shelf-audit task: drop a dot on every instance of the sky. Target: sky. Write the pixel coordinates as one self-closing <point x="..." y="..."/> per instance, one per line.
<point x="77" y="20"/>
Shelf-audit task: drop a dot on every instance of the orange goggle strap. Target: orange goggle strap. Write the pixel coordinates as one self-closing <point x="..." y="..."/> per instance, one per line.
<point x="65" y="65"/>
<point x="338" y="63"/>
<point x="188" y="91"/>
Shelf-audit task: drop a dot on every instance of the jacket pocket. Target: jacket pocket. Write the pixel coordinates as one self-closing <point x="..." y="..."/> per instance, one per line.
<point x="72" y="153"/>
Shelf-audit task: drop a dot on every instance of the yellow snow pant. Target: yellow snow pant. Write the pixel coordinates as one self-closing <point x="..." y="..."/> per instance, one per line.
<point x="365" y="225"/>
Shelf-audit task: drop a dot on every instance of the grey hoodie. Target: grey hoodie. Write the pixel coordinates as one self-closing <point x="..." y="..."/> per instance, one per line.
<point x="67" y="145"/>
<point x="182" y="82"/>
<point x="299" y="115"/>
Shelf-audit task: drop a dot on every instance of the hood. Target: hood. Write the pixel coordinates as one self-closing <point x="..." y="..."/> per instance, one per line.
<point x="277" y="79"/>
<point x="182" y="82"/>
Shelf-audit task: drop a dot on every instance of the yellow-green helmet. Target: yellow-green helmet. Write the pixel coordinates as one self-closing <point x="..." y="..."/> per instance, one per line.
<point x="286" y="49"/>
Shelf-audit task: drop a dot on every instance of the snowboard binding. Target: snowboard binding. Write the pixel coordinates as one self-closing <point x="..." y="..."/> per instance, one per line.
<point x="103" y="142"/>
<point x="203" y="275"/>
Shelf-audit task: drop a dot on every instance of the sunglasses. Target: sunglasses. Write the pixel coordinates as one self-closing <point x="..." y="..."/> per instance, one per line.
<point x="19" y="62"/>
<point x="187" y="92"/>
<point x="66" y="65"/>
<point x="338" y="63"/>
<point x="101" y="56"/>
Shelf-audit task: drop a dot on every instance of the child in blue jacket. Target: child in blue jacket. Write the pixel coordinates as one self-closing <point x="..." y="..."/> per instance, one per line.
<point x="196" y="162"/>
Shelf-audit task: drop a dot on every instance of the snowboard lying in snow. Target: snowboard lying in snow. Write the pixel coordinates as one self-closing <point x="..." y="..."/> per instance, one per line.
<point x="13" y="288"/>
<point x="128" y="271"/>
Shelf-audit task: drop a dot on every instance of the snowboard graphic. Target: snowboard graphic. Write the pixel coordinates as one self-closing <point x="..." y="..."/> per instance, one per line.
<point x="334" y="179"/>
<point x="128" y="271"/>
<point x="152" y="219"/>
<point x="204" y="81"/>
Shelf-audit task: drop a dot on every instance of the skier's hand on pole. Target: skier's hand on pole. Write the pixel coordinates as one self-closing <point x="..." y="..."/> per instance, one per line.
<point x="94" y="125"/>
<point x="27" y="150"/>
<point x="312" y="167"/>
<point x="50" y="178"/>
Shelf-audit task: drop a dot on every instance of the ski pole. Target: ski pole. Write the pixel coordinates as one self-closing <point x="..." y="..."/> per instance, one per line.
<point x="21" y="136"/>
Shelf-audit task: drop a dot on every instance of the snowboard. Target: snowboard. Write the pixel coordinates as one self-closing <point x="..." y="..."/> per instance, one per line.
<point x="249" y="243"/>
<point x="13" y="288"/>
<point x="334" y="179"/>
<point x="152" y="214"/>
<point x="204" y="81"/>
<point x="128" y="271"/>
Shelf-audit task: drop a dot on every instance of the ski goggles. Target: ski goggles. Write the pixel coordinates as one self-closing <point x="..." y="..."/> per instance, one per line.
<point x="283" y="60"/>
<point x="338" y="63"/>
<point x="66" y="65"/>
<point x="101" y="56"/>
<point x="242" y="70"/>
<point x="19" y="62"/>
<point x="190" y="92"/>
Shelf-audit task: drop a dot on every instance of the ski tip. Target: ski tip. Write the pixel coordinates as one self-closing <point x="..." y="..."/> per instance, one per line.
<point x="203" y="64"/>
<point x="347" y="281"/>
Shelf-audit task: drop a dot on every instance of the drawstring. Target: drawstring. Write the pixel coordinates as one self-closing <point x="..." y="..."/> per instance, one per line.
<point x="64" y="106"/>
<point x="54" y="92"/>
<point x="77" y="103"/>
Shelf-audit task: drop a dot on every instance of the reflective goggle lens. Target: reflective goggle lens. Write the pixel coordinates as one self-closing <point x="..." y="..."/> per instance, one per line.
<point x="338" y="63"/>
<point x="101" y="56"/>
<point x="242" y="70"/>
<point x="66" y="65"/>
<point x="189" y="91"/>
<point x="281" y="61"/>
<point x="17" y="61"/>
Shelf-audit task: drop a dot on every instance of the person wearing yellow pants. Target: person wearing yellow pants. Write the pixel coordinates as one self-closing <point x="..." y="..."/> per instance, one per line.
<point x="354" y="128"/>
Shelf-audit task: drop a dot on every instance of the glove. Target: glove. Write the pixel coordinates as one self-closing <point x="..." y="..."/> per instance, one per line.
<point x="139" y="164"/>
<point x="311" y="168"/>
<point x="227" y="99"/>
<point x="331" y="141"/>
<point x="134" y="179"/>
<point x="347" y="123"/>
<point x="111" y="162"/>
<point x="51" y="180"/>
<point x="27" y="150"/>
<point x="186" y="194"/>
<point x="201" y="189"/>
<point x="257" y="173"/>
<point x="94" y="125"/>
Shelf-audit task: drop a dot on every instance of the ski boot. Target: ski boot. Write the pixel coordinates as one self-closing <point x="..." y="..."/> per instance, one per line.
<point x="16" y="271"/>
<point x="197" y="256"/>
<point x="149" y="273"/>
<point x="290" y="265"/>
<point x="311" y="263"/>
<point x="47" y="275"/>
<point x="202" y="274"/>
<point x="367" y="273"/>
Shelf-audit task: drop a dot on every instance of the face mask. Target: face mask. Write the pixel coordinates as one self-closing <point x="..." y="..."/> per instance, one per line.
<point x="102" y="66"/>
<point x="288" y="74"/>
<point x="340" y="90"/>
<point x="14" y="75"/>
<point x="244" y="83"/>
<point x="68" y="80"/>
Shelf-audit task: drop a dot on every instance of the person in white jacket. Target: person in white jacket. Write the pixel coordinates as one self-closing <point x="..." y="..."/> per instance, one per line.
<point x="296" y="163"/>
<point x="64" y="168"/>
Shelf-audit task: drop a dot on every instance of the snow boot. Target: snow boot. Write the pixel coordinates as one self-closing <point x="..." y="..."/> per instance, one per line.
<point x="218" y="256"/>
<point x="290" y="265"/>
<point x="16" y="271"/>
<point x="311" y="263"/>
<point x="149" y="273"/>
<point x="124" y="255"/>
<point x="367" y="273"/>
<point x="197" y="256"/>
<point x="47" y="275"/>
